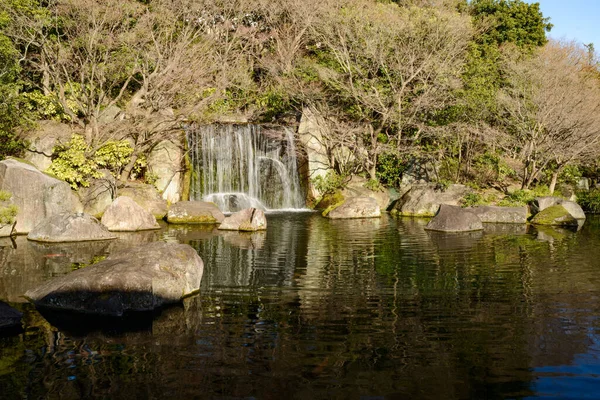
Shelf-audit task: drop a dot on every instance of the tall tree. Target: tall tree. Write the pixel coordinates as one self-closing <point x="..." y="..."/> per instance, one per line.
<point x="551" y="109"/>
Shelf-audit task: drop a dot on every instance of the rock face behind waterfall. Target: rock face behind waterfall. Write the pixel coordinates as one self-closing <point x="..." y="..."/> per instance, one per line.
<point x="36" y="195"/>
<point x="355" y="207"/>
<point x="249" y="220"/>
<point x="194" y="212"/>
<point x="244" y="166"/>
<point x="135" y="279"/>
<point x="454" y="219"/>
<point x="67" y="227"/>
<point x="124" y="214"/>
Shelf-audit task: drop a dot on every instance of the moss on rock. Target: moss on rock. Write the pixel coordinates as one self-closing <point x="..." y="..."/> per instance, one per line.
<point x="556" y="215"/>
<point x="330" y="199"/>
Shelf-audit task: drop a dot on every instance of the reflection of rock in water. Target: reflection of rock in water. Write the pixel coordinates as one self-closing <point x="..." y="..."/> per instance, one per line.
<point x="506" y="229"/>
<point x="31" y="263"/>
<point x="454" y="241"/>
<point x="361" y="229"/>
<point x="244" y="240"/>
<point x="553" y="233"/>
<point x="129" y="239"/>
<point x="185" y="233"/>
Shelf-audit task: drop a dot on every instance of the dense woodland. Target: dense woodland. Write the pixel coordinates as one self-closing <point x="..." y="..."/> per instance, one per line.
<point x="474" y="90"/>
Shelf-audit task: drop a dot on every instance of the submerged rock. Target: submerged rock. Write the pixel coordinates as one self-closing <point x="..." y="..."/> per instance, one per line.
<point x="194" y="212"/>
<point x="454" y="219"/>
<point x="36" y="195"/>
<point x="9" y="317"/>
<point x="248" y="220"/>
<point x="141" y="278"/>
<point x="355" y="207"/>
<point x="541" y="203"/>
<point x="504" y="215"/>
<point x="67" y="227"/>
<point x="556" y="215"/>
<point x="125" y="215"/>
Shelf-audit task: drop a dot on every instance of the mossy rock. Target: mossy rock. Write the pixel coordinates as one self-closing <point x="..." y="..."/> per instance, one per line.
<point x="194" y="219"/>
<point x="330" y="199"/>
<point x="556" y="216"/>
<point x="332" y="207"/>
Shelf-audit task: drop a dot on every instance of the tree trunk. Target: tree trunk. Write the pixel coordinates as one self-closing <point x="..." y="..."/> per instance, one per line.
<point x="128" y="168"/>
<point x="554" y="180"/>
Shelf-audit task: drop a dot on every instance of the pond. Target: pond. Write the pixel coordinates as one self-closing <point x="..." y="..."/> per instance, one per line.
<point x="320" y="309"/>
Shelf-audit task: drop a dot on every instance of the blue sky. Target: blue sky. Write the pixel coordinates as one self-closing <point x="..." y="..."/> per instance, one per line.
<point x="573" y="19"/>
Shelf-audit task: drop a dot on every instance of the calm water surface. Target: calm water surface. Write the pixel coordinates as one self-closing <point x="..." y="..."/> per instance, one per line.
<point x="319" y="309"/>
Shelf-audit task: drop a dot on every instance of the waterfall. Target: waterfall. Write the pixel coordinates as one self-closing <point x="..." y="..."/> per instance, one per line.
<point x="240" y="166"/>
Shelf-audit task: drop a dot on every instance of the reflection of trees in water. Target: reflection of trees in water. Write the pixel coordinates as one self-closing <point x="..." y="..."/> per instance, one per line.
<point x="378" y="308"/>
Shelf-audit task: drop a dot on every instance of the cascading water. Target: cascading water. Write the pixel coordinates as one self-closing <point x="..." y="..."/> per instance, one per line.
<point x="240" y="166"/>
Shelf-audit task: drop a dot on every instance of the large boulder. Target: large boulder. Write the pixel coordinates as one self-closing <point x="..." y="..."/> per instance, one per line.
<point x="556" y="215"/>
<point x="36" y="195"/>
<point x="98" y="196"/>
<point x="541" y="203"/>
<point x="43" y="139"/>
<point x="136" y="279"/>
<point x="147" y="197"/>
<point x="194" y="212"/>
<point x="424" y="200"/>
<point x="454" y="219"/>
<point x="357" y="187"/>
<point x="9" y="317"/>
<point x="67" y="227"/>
<point x="355" y="207"/>
<point x="248" y="220"/>
<point x="503" y="215"/>
<point x="165" y="161"/>
<point x="126" y="215"/>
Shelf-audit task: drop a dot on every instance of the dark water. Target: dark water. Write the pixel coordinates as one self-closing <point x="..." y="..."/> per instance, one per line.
<point x="319" y="309"/>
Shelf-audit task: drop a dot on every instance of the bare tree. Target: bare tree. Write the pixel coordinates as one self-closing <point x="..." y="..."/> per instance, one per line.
<point x="551" y="109"/>
<point x="390" y="66"/>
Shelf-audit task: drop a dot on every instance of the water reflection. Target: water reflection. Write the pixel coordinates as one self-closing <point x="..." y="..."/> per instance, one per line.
<point x="314" y="308"/>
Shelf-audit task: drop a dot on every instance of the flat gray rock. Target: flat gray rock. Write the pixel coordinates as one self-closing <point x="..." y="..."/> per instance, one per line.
<point x="356" y="207"/>
<point x="454" y="219"/>
<point x="136" y="279"/>
<point x="501" y="215"/>
<point x="125" y="215"/>
<point x="247" y="220"/>
<point x="67" y="227"/>
<point x="194" y="212"/>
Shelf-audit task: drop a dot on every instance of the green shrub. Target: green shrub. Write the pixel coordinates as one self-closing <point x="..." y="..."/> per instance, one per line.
<point x="374" y="185"/>
<point x="589" y="200"/>
<point x="72" y="162"/>
<point x="390" y="168"/>
<point x="7" y="212"/>
<point x="523" y="197"/>
<point x="330" y="183"/>
<point x="4" y="195"/>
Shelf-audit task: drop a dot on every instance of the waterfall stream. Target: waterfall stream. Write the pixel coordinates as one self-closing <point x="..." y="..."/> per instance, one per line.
<point x="240" y="166"/>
